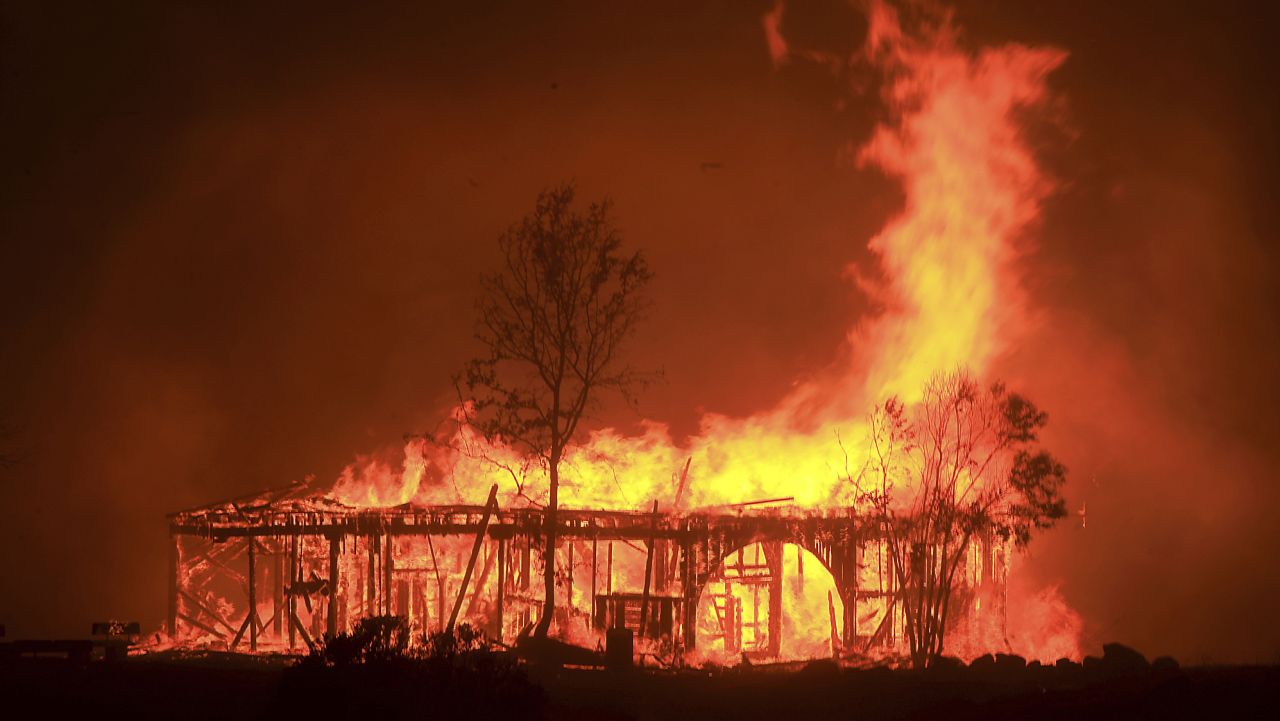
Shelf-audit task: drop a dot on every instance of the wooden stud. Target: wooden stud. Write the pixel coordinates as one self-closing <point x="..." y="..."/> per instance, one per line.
<point x="332" y="616"/>
<point x="502" y="584"/>
<point x="175" y="573"/>
<point x="252" y="620"/>
<point x="292" y="601"/>
<point x="388" y="567"/>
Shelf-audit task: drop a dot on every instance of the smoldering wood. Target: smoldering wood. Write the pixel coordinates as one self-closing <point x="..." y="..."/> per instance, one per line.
<point x="199" y="606"/>
<point x="193" y="622"/>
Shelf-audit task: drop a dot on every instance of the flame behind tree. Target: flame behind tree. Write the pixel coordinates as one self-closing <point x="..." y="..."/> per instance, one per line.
<point x="960" y="465"/>
<point x="553" y="322"/>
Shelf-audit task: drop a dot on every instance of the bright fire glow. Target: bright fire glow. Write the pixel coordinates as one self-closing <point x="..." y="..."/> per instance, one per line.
<point x="947" y="291"/>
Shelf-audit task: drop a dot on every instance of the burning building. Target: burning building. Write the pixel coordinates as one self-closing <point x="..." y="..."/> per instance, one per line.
<point x="711" y="571"/>
<point x="281" y="569"/>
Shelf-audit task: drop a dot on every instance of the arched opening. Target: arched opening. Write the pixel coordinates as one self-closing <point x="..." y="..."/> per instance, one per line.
<point x="769" y="601"/>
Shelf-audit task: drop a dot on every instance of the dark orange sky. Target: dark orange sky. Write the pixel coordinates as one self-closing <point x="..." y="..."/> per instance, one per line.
<point x="242" y="246"/>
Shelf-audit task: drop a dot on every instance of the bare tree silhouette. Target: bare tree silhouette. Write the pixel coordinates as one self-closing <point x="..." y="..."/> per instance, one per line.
<point x="961" y="463"/>
<point x="553" y="322"/>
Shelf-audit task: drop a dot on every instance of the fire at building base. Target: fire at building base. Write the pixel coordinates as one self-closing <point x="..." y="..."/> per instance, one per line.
<point x="280" y="570"/>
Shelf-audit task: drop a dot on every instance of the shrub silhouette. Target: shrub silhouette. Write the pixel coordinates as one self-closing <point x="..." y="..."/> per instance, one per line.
<point x="379" y="668"/>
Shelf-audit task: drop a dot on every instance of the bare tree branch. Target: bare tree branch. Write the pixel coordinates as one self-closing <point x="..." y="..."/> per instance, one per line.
<point x="553" y="323"/>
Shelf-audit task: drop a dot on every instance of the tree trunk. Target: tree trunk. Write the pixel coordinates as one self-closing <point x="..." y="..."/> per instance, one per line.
<point x="549" y="557"/>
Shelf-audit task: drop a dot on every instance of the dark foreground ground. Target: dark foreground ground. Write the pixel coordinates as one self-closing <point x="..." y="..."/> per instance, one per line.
<point x="236" y="687"/>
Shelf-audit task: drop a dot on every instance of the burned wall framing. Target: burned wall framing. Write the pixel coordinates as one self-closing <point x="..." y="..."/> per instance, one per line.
<point x="281" y="531"/>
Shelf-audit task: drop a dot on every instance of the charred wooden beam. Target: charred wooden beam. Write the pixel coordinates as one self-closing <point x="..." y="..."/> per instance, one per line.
<point x="332" y="616"/>
<point x="835" y="635"/>
<point x="648" y="574"/>
<point x="193" y="622"/>
<point x="292" y="602"/>
<point x="253" y="597"/>
<point x="502" y="586"/>
<point x="175" y="573"/>
<point x="773" y="557"/>
<point x="199" y="606"/>
<point x="489" y="507"/>
<point x="485" y="573"/>
<point x="277" y="594"/>
<point x="388" y="567"/>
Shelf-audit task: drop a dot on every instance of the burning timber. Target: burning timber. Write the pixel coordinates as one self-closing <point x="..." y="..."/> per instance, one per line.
<point x="281" y="569"/>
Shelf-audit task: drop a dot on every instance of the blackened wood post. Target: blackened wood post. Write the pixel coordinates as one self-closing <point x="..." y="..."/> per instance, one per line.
<point x="292" y="601"/>
<point x="847" y="585"/>
<point x="388" y="566"/>
<point x="524" y="563"/>
<point x="439" y="586"/>
<point x="277" y="589"/>
<point x="835" y="635"/>
<point x="594" y="571"/>
<point x="475" y="553"/>
<point x="688" y="579"/>
<point x="648" y="571"/>
<point x="570" y="577"/>
<point x="502" y="583"/>
<point x="490" y="555"/>
<point x="334" y="540"/>
<point x="608" y="588"/>
<point x="253" y="595"/>
<point x="660" y="566"/>
<point x="175" y="560"/>
<point x="773" y="557"/>
<point x="371" y="578"/>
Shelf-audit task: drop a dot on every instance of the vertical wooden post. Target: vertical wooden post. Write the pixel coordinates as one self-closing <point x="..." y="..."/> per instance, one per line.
<point x="660" y="566"/>
<point x="847" y="585"/>
<point x="388" y="566"/>
<point x="594" y="571"/>
<point x="334" y="539"/>
<point x="835" y="635"/>
<point x="692" y="578"/>
<point x="277" y="592"/>
<point x="648" y="571"/>
<point x="435" y="566"/>
<point x="253" y="595"/>
<point x="524" y="563"/>
<point x="502" y="584"/>
<point x="292" y="601"/>
<point x="773" y="557"/>
<point x="175" y="570"/>
<point x="371" y="578"/>
<point x="608" y="589"/>
<point x="570" y="576"/>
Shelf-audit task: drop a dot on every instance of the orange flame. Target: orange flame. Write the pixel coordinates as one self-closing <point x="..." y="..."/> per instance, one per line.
<point x="946" y="285"/>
